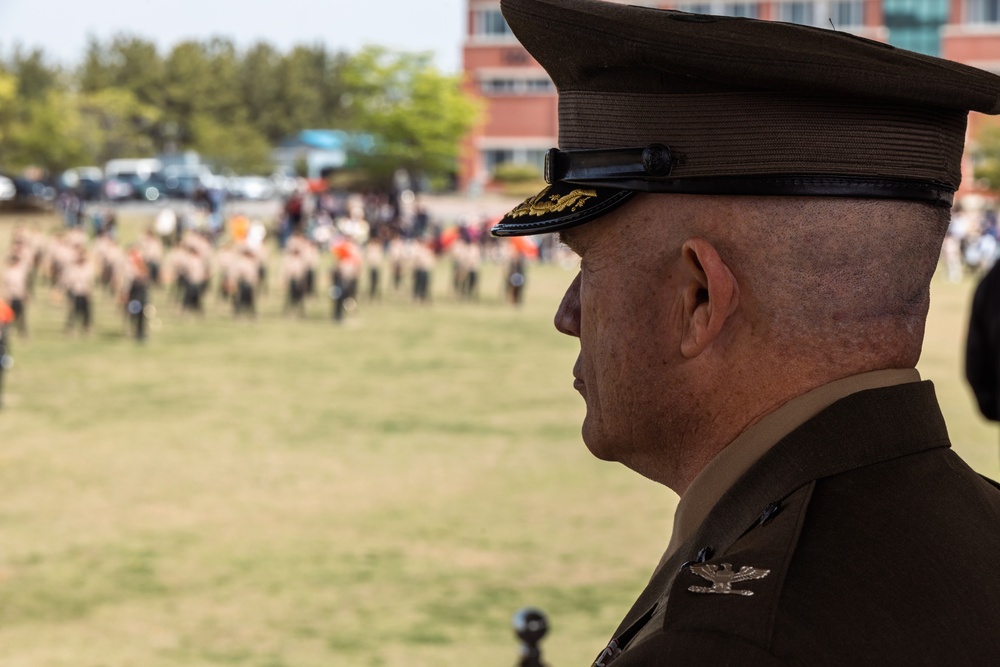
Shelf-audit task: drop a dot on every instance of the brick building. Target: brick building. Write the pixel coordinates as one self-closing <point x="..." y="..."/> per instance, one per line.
<point x="972" y="36"/>
<point x="521" y="119"/>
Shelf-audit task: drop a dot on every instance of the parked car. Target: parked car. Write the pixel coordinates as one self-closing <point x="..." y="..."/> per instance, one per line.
<point x="120" y="187"/>
<point x="7" y="189"/>
<point x="28" y="193"/>
<point x="86" y="182"/>
<point x="251" y="187"/>
<point x="186" y="181"/>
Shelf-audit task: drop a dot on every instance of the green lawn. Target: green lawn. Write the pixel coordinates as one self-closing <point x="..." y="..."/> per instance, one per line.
<point x="293" y="493"/>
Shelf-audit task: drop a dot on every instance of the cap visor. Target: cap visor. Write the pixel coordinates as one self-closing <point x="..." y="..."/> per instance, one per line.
<point x="560" y="206"/>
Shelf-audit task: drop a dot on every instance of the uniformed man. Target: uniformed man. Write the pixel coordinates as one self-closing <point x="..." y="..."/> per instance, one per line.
<point x="192" y="276"/>
<point x="245" y="275"/>
<point x="135" y="291"/>
<point x="7" y="316"/>
<point x="293" y="274"/>
<point x="759" y="209"/>
<point x="423" y="271"/>
<point x="14" y="283"/>
<point x="151" y="248"/>
<point x="346" y="271"/>
<point x="78" y="283"/>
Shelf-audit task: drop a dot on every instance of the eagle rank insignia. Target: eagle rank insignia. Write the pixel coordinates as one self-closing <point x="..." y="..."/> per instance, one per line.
<point x="723" y="577"/>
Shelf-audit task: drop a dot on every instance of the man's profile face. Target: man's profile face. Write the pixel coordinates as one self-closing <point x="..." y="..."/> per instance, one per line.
<point x="624" y="309"/>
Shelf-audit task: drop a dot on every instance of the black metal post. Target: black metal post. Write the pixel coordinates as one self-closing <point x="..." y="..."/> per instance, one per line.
<point x="530" y="625"/>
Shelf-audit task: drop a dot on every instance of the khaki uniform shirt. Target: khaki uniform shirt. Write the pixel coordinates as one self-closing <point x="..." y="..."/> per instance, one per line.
<point x="78" y="279"/>
<point x="15" y="281"/>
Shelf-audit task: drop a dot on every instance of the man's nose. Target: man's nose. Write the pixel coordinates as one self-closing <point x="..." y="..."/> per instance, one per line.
<point x="567" y="318"/>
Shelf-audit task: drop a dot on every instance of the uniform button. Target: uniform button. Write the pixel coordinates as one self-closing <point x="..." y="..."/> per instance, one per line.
<point x="769" y="513"/>
<point x="705" y="554"/>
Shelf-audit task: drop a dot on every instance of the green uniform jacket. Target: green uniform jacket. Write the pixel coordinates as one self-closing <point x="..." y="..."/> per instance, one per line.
<point x="882" y="547"/>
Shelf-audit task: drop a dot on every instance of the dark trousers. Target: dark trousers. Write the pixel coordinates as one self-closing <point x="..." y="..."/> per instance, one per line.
<point x="138" y="295"/>
<point x="79" y="311"/>
<point x="192" y="297"/>
<point x="373" y="279"/>
<point x="421" y="285"/>
<point x="243" y="302"/>
<point x="470" y="284"/>
<point x="343" y="289"/>
<point x="20" y="316"/>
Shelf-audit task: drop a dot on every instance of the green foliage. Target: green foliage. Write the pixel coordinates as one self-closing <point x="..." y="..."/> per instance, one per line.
<point x="49" y="132"/>
<point x="986" y="156"/>
<point x="236" y="145"/>
<point x="128" y="99"/>
<point x="36" y="78"/>
<point x="8" y="95"/>
<point x="417" y="114"/>
<point x="519" y="180"/>
<point x="510" y="172"/>
<point x="117" y="124"/>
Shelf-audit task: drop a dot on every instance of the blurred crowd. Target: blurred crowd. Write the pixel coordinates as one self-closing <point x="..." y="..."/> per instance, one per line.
<point x="971" y="245"/>
<point x="325" y="247"/>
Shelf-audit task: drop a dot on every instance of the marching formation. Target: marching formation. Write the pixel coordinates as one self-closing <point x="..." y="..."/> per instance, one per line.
<point x="187" y="267"/>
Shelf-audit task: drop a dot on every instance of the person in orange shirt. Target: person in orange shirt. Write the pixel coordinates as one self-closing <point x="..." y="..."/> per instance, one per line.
<point x="6" y="317"/>
<point x="345" y="277"/>
<point x="136" y="291"/>
<point x="239" y="227"/>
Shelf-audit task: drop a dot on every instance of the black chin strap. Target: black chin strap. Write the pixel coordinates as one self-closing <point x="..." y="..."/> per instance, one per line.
<point x="649" y="169"/>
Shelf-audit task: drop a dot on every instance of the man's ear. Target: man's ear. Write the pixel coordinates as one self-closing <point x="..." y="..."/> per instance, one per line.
<point x="710" y="296"/>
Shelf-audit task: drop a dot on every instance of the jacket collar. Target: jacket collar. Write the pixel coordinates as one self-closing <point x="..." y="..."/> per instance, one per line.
<point x="863" y="429"/>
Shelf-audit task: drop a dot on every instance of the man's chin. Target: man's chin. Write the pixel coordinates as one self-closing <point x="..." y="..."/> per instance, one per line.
<point x="599" y="445"/>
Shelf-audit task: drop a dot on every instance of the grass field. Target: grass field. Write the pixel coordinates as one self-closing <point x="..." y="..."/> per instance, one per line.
<point x="292" y="493"/>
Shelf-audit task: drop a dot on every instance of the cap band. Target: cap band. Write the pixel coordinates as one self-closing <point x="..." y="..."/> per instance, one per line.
<point x="754" y="134"/>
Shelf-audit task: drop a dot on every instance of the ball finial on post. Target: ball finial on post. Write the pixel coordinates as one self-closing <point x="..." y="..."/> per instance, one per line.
<point x="530" y="625"/>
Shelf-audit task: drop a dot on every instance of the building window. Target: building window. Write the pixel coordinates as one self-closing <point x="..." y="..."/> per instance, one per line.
<point x="493" y="158"/>
<point x="847" y="13"/>
<point x="696" y="7"/>
<point x="746" y="10"/>
<point x="915" y="25"/>
<point x="499" y="86"/>
<point x="797" y="12"/>
<point x="982" y="11"/>
<point x="490" y="23"/>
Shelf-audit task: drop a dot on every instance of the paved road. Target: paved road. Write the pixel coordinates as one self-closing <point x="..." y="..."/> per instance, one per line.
<point x="444" y="209"/>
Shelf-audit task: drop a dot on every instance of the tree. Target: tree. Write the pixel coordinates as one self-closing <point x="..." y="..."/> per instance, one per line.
<point x="36" y="78"/>
<point x="8" y="110"/>
<point x="310" y="92"/>
<point x="47" y="134"/>
<point x="417" y="115"/>
<point x="234" y="145"/>
<point x="986" y="157"/>
<point x="116" y="124"/>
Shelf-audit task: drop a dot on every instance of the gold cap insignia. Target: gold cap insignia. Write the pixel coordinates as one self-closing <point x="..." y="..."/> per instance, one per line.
<point x="544" y="204"/>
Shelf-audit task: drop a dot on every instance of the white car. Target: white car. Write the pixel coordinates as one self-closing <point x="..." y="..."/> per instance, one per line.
<point x="254" y="187"/>
<point x="7" y="189"/>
